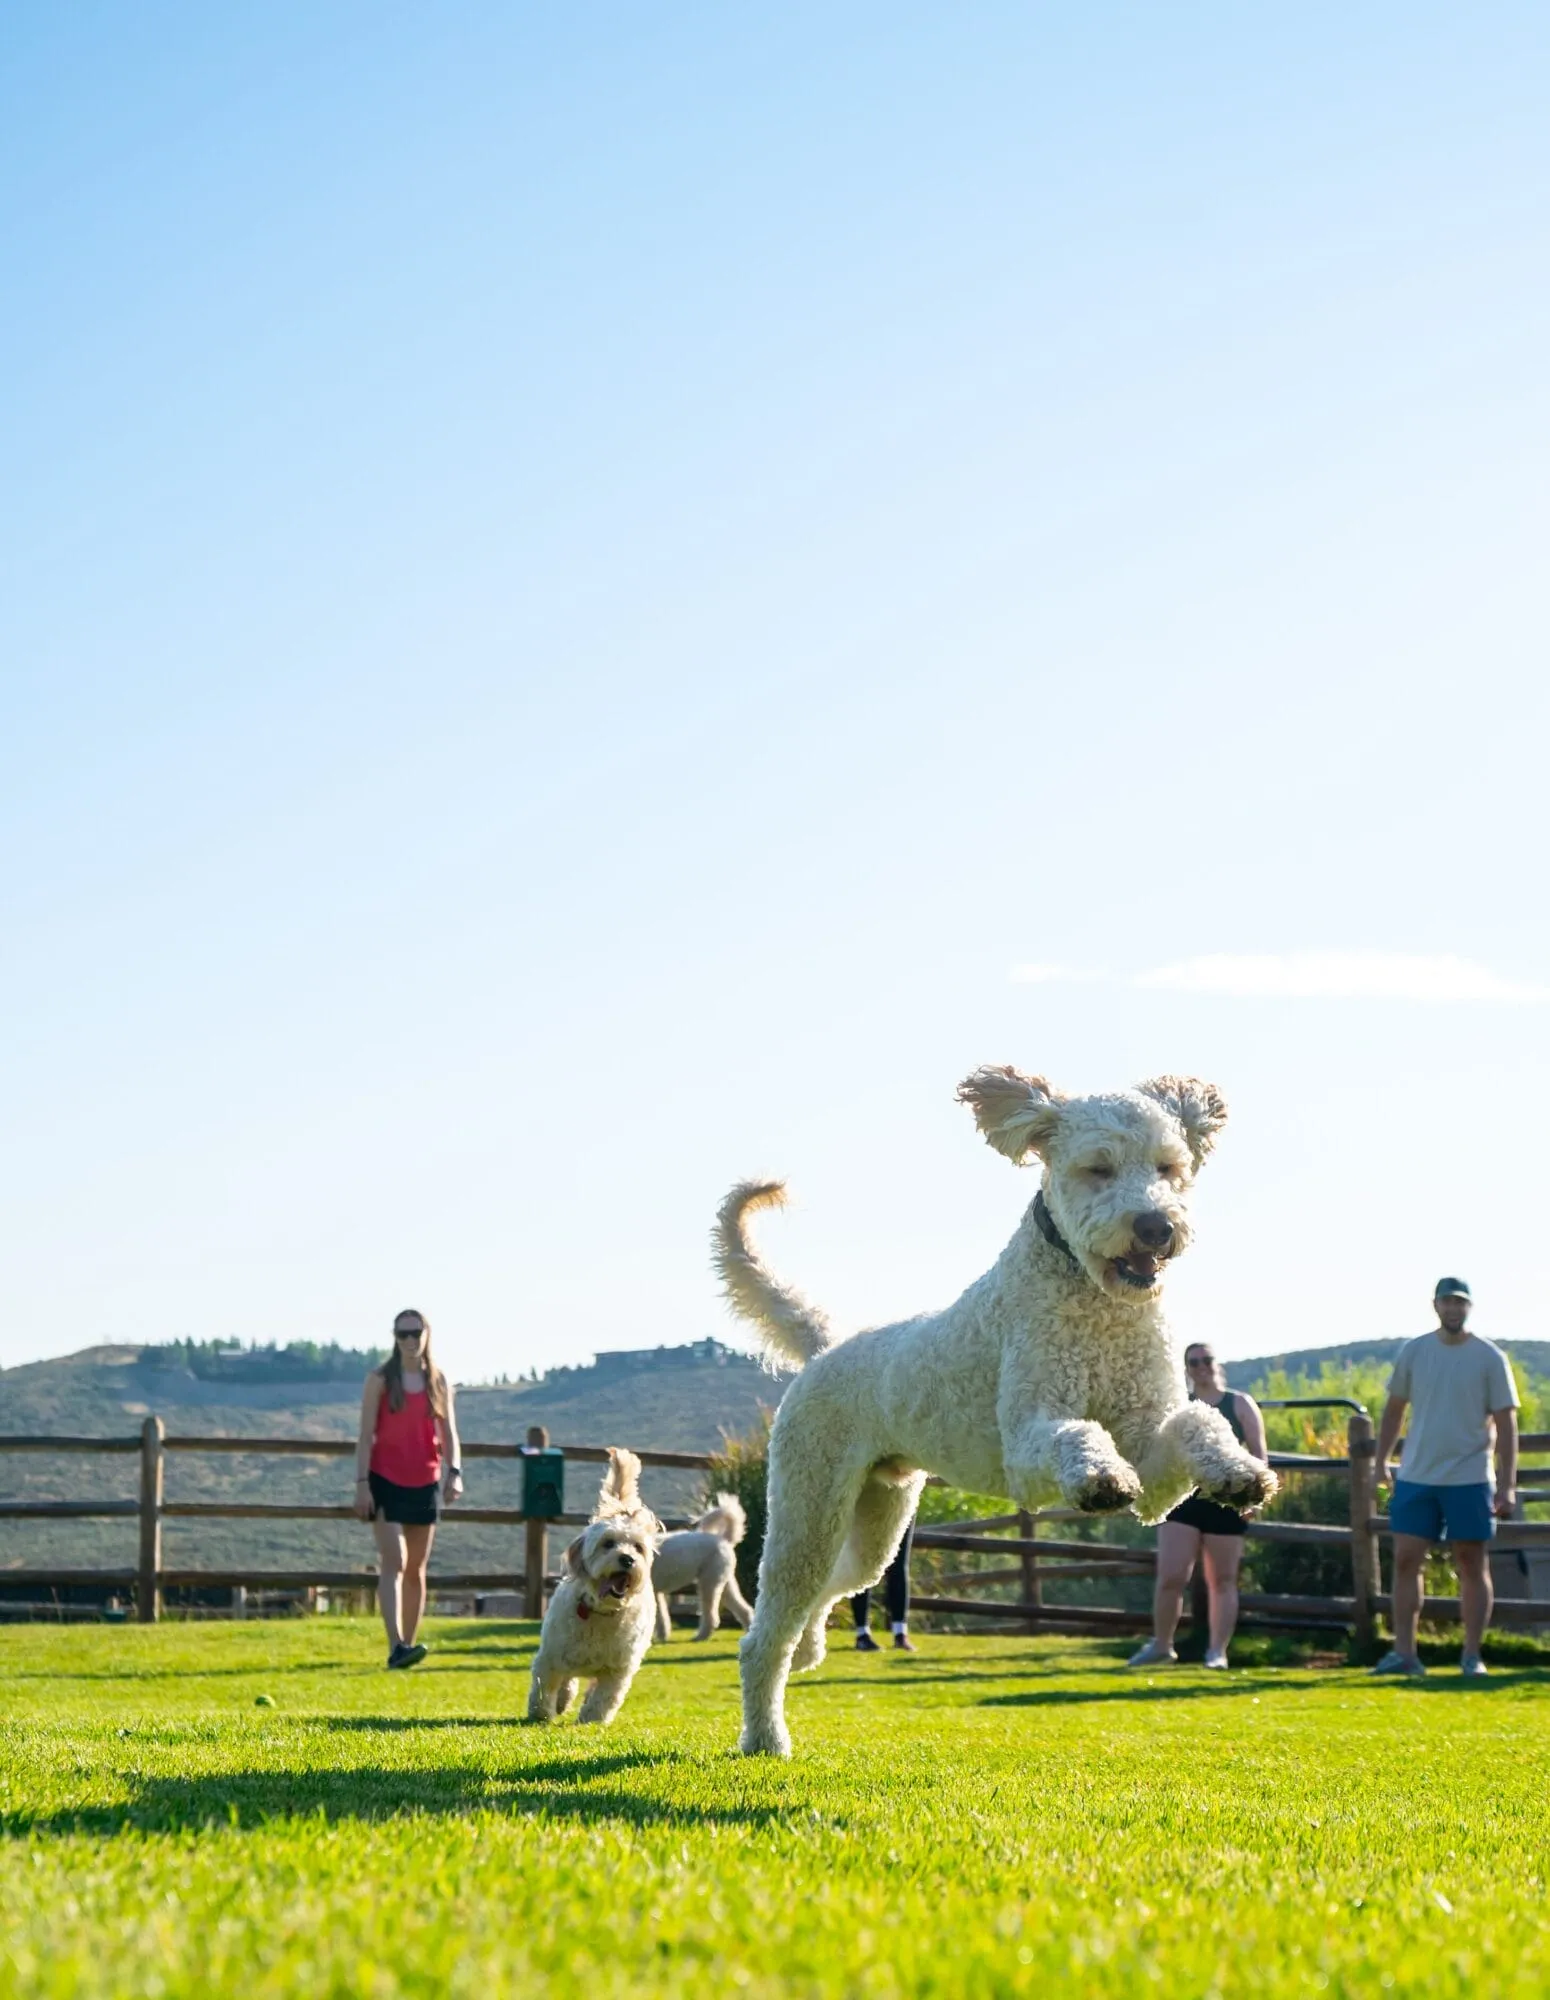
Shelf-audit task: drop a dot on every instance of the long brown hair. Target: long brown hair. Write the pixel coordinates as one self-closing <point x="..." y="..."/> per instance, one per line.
<point x="392" y="1370"/>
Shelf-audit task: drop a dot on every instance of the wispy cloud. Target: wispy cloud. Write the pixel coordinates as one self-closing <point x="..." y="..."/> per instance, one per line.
<point x="1315" y="975"/>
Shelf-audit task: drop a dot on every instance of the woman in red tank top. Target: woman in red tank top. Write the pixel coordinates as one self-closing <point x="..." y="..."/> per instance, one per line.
<point x="408" y="1441"/>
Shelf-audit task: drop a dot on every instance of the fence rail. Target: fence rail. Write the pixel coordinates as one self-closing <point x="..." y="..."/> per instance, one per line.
<point x="1031" y="1560"/>
<point x="150" y="1577"/>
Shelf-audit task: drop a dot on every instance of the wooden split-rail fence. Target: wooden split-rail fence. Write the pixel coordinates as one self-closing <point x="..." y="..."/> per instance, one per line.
<point x="1028" y="1561"/>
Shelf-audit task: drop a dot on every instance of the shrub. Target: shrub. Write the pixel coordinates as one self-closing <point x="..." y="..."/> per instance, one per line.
<point x="741" y="1467"/>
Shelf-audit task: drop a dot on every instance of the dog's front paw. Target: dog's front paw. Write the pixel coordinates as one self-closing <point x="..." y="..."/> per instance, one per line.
<point x="1106" y="1491"/>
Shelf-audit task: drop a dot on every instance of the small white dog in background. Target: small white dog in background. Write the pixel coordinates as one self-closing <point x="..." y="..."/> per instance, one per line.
<point x="598" y="1625"/>
<point x="703" y="1555"/>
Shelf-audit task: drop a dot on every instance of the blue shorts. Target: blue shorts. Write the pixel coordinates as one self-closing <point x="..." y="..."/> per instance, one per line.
<point x="1438" y="1513"/>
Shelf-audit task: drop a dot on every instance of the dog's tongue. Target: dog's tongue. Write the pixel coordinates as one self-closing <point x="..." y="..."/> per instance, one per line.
<point x="617" y="1586"/>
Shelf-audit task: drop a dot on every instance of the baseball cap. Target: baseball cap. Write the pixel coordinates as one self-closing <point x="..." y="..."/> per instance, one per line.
<point x="1453" y="1288"/>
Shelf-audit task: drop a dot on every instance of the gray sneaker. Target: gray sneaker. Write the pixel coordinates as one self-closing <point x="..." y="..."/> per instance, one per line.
<point x="1473" y="1668"/>
<point x="1401" y="1668"/>
<point x="1153" y="1655"/>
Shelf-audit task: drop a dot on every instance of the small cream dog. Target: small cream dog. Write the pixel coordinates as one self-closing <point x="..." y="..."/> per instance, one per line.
<point x="703" y="1555"/>
<point x="598" y="1625"/>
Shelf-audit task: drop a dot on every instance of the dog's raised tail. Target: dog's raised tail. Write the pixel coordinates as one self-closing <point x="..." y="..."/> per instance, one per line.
<point x="794" y="1331"/>
<point x="726" y="1519"/>
<point x="620" y="1491"/>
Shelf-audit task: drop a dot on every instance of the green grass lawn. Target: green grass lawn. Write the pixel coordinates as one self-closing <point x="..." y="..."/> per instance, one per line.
<point x="992" y="1816"/>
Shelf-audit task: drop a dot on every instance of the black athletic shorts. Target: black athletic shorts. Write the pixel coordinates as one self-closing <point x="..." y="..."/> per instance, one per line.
<point x="1209" y="1516"/>
<point x="409" y="1506"/>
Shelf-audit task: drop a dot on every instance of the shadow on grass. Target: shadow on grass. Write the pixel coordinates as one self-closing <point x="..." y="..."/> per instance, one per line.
<point x="1205" y="1688"/>
<point x="700" y="1657"/>
<point x="252" y="1799"/>
<point x="254" y="1670"/>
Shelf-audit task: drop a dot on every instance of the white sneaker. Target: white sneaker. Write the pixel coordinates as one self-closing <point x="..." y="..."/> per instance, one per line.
<point x="1153" y="1655"/>
<point x="1217" y="1661"/>
<point x="1397" y="1664"/>
<point x="1473" y="1668"/>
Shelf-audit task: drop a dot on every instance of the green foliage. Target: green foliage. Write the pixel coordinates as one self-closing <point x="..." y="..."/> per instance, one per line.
<point x="993" y="1816"/>
<point x="297" y="1361"/>
<point x="740" y="1466"/>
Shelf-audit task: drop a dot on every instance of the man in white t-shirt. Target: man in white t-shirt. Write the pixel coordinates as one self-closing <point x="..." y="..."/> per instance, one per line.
<point x="1459" y="1389"/>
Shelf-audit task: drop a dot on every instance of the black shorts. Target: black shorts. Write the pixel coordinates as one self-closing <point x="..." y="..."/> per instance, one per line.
<point x="409" y="1506"/>
<point x="1209" y="1516"/>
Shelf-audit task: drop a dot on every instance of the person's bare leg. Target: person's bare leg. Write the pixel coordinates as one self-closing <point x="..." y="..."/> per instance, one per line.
<point x="417" y="1553"/>
<point x="390" y="1569"/>
<point x="1223" y="1556"/>
<point x="1476" y="1595"/>
<point x="1409" y="1561"/>
<point x="1177" y="1548"/>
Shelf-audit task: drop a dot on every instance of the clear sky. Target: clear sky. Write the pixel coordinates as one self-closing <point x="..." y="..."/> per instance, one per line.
<point x="596" y="600"/>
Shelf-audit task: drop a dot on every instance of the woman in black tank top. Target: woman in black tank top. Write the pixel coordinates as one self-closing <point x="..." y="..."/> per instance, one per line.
<point x="1203" y="1529"/>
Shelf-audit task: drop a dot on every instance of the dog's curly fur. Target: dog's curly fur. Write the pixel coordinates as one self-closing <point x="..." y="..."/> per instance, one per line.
<point x="703" y="1555"/>
<point x="1052" y="1378"/>
<point x="598" y="1624"/>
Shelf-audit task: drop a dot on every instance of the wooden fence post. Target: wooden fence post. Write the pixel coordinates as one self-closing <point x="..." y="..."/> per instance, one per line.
<point x="537" y="1546"/>
<point x="1027" y="1526"/>
<point x="147" y="1590"/>
<point x="1366" y="1578"/>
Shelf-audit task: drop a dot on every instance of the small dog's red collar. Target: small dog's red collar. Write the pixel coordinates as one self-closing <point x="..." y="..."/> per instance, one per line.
<point x="583" y="1609"/>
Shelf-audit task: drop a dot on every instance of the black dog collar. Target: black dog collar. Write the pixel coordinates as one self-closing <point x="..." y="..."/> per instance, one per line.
<point x="1048" y="1231"/>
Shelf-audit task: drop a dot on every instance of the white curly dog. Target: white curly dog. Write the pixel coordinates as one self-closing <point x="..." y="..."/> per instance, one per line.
<point x="1052" y="1377"/>
<point x="704" y="1555"/>
<point x="599" y="1620"/>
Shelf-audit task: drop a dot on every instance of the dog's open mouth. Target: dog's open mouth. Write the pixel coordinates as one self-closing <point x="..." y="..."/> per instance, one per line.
<point x="1138" y="1269"/>
<point x="619" y="1586"/>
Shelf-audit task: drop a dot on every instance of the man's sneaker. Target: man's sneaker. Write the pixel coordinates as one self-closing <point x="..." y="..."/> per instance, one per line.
<point x="1153" y="1655"/>
<point x="865" y="1643"/>
<point x="1401" y="1668"/>
<point x="1473" y="1668"/>
<point x="407" y="1656"/>
<point x="1215" y="1660"/>
<point x="903" y="1643"/>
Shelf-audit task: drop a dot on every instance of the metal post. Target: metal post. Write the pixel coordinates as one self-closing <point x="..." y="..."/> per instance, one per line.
<point x="1027" y="1527"/>
<point x="1366" y="1578"/>
<point x="147" y="1590"/>
<point x="537" y="1546"/>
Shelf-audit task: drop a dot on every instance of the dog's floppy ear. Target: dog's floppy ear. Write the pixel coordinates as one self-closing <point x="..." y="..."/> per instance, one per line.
<point x="1199" y="1107"/>
<point x="573" y="1555"/>
<point x="1017" y="1114"/>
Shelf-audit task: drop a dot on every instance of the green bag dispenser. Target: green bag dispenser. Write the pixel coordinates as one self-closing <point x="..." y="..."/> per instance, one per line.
<point x="543" y="1482"/>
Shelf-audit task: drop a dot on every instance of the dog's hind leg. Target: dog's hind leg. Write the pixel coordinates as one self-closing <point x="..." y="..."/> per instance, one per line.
<point x="564" y="1696"/>
<point x="717" y="1577"/>
<point x="736" y="1603"/>
<point x="811" y="1504"/>
<point x="883" y="1512"/>
<point x="664" y="1617"/>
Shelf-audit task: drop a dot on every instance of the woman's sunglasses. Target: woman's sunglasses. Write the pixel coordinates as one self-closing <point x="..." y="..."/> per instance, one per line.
<point x="408" y="1332"/>
<point x="1200" y="1361"/>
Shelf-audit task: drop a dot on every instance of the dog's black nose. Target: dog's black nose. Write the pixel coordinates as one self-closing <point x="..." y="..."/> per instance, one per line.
<point x="626" y="1560"/>
<point x="1153" y="1231"/>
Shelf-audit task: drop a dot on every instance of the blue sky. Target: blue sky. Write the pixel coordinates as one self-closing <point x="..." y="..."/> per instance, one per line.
<point x="594" y="601"/>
